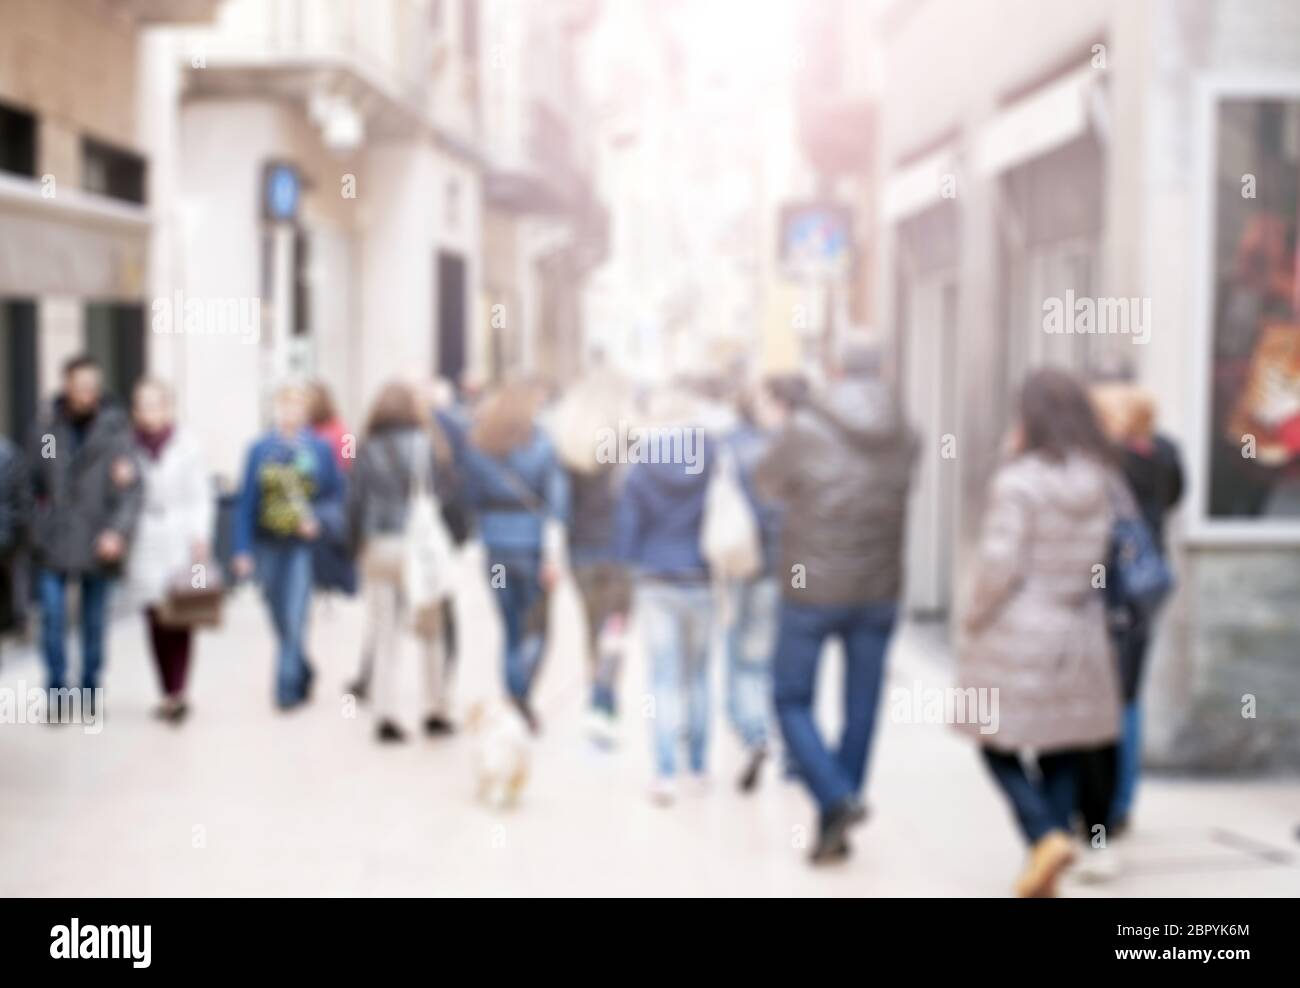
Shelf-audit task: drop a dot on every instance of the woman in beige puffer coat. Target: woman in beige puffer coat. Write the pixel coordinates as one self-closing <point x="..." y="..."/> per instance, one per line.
<point x="1034" y="628"/>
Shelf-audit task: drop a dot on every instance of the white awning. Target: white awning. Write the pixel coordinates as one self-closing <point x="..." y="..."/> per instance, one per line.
<point x="70" y="244"/>
<point x="1036" y="124"/>
<point x="918" y="186"/>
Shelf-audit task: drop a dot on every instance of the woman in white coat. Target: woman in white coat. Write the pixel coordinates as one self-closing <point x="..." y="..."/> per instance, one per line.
<point x="173" y="534"/>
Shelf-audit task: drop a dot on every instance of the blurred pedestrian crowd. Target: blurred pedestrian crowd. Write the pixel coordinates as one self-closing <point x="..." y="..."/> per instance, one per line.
<point x="786" y="533"/>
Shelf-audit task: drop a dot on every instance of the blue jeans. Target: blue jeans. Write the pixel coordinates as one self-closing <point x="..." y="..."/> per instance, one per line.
<point x="51" y="588"/>
<point x="1130" y="761"/>
<point x="516" y="583"/>
<point x="864" y="630"/>
<point x="1043" y="803"/>
<point x="751" y="639"/>
<point x="677" y="622"/>
<point x="284" y="572"/>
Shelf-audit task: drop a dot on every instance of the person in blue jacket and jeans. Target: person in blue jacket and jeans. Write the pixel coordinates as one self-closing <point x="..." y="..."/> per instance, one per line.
<point x="519" y="493"/>
<point x="291" y="477"/>
<point x="657" y="528"/>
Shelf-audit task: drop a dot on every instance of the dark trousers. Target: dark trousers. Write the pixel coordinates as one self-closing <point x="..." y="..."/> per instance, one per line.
<point x="1045" y="792"/>
<point x="171" y="653"/>
<point x="1098" y="779"/>
<point x="864" y="630"/>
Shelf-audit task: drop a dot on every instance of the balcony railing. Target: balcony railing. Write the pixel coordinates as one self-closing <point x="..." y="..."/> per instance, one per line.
<point x="387" y="40"/>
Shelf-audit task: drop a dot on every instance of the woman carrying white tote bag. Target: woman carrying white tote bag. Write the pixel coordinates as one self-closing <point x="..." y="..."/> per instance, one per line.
<point x="407" y="560"/>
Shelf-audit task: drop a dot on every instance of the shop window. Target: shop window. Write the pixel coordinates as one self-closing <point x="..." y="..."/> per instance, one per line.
<point x="302" y="270"/>
<point x="115" y="338"/>
<point x="1254" y="462"/>
<point x="110" y="171"/>
<point x="18" y="367"/>
<point x="17" y="141"/>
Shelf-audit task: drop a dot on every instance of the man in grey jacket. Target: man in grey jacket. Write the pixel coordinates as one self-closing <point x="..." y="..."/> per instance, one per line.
<point x="843" y="465"/>
<point x="86" y="488"/>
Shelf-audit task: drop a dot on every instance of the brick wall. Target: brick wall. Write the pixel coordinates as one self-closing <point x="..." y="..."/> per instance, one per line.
<point x="72" y="62"/>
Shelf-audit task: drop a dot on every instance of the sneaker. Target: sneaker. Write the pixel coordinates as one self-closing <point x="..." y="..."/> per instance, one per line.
<point x="832" y="834"/>
<point x="389" y="733"/>
<point x="1098" y="865"/>
<point x="1053" y="853"/>
<point x="663" y="792"/>
<point x="749" y="777"/>
<point x="602" y="728"/>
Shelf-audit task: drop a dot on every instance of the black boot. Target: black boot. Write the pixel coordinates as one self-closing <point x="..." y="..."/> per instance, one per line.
<point x="437" y="725"/>
<point x="389" y="733"/>
<point x="749" y="777"/>
<point x="832" y="834"/>
<point x="530" y="717"/>
<point x="308" y="679"/>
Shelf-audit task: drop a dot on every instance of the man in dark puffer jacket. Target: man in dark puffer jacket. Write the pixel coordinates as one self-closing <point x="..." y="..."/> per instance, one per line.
<point x="842" y="466"/>
<point x="86" y="486"/>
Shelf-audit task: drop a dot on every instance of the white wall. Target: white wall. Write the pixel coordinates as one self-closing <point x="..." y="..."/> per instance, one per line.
<point x="219" y="379"/>
<point x="406" y="223"/>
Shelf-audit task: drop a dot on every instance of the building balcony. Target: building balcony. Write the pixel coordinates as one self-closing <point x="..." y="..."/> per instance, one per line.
<point x="359" y="68"/>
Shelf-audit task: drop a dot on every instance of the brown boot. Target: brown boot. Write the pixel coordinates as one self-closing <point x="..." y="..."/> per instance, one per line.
<point x="1047" y="859"/>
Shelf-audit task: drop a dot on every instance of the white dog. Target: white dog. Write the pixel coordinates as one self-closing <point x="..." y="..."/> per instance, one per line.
<point x="502" y="752"/>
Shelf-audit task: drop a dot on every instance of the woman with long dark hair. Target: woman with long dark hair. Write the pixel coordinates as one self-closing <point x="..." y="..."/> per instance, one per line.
<point x="1034" y="631"/>
<point x="400" y="452"/>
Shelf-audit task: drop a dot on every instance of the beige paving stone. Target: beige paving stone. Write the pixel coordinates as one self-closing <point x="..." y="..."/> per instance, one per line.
<point x="246" y="801"/>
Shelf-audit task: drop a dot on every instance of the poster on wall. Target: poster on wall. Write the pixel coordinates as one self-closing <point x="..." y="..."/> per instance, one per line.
<point x="1255" y="404"/>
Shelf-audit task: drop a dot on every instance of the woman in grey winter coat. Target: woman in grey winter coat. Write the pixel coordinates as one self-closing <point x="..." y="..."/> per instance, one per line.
<point x="399" y="452"/>
<point x="1034" y="632"/>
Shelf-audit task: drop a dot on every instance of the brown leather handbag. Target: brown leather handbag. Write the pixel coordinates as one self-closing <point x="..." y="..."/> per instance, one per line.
<point x="188" y="606"/>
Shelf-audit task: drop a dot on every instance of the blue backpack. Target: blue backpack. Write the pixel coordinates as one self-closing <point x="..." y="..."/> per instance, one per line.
<point x="1138" y="579"/>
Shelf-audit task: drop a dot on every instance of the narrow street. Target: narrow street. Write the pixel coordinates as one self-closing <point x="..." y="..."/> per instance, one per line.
<point x="244" y="801"/>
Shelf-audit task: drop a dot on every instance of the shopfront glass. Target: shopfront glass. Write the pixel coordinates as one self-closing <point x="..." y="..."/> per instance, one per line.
<point x="1255" y="366"/>
<point x="115" y="339"/>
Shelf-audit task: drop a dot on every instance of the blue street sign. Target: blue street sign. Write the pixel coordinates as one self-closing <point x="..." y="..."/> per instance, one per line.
<point x="282" y="189"/>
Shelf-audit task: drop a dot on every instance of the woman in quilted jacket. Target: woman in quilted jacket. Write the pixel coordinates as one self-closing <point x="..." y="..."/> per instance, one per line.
<point x="1034" y="633"/>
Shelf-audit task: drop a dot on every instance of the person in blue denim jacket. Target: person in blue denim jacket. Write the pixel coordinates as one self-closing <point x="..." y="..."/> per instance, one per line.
<point x="519" y="494"/>
<point x="657" y="533"/>
<point x="290" y="479"/>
